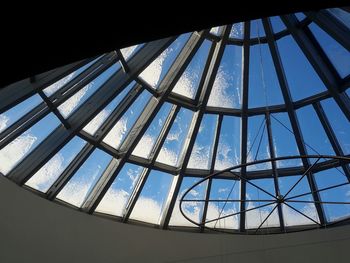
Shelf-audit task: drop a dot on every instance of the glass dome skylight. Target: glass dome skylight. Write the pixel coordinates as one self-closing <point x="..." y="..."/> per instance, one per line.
<point x="125" y="134"/>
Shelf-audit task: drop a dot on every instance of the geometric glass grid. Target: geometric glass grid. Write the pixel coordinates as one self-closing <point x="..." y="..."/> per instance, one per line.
<point x="126" y="133"/>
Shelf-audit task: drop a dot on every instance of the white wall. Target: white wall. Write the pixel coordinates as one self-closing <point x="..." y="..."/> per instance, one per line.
<point x="33" y="229"/>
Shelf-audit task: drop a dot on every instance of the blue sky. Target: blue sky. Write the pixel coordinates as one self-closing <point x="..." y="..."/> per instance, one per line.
<point x="226" y="92"/>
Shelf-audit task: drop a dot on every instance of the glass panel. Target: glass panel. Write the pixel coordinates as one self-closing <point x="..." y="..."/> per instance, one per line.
<point x="117" y="134"/>
<point x="302" y="79"/>
<point x="117" y="196"/>
<point x="337" y="54"/>
<point x="203" y="147"/>
<point x="315" y="138"/>
<point x="99" y="119"/>
<point x="341" y="15"/>
<point x="15" y="113"/>
<point x="300" y="16"/>
<point x="222" y="189"/>
<point x="256" y="216"/>
<point x="258" y="144"/>
<point x="171" y="149"/>
<point x="59" y="84"/>
<point x="149" y="205"/>
<point x="20" y="147"/>
<point x="193" y="210"/>
<point x="48" y="174"/>
<point x="128" y="52"/>
<point x="80" y="185"/>
<point x="277" y="24"/>
<point x="237" y="30"/>
<point x="70" y="105"/>
<point x="264" y="88"/>
<point x="145" y="145"/>
<point x="284" y="140"/>
<point x="215" y="30"/>
<point x="229" y="147"/>
<point x="339" y="123"/>
<point x="227" y="87"/>
<point x="290" y="216"/>
<point x="156" y="71"/>
<point x="256" y="29"/>
<point x="188" y="83"/>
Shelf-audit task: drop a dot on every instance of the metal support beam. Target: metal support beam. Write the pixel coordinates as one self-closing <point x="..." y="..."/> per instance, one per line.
<point x="105" y="94"/>
<point x="291" y="113"/>
<point x="244" y="123"/>
<point x="274" y="168"/>
<point x="332" y="26"/>
<point x="207" y="81"/>
<point x="319" y="61"/>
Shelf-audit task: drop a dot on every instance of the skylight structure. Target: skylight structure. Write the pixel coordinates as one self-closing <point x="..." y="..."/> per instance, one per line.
<point x="124" y="135"/>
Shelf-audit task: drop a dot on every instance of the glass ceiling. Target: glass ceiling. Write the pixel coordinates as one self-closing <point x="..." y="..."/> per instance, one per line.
<point x="125" y="134"/>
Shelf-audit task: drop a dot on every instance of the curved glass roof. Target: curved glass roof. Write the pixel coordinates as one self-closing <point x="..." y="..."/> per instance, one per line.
<point x="125" y="134"/>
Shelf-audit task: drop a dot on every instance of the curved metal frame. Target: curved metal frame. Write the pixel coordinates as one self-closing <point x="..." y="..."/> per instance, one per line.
<point x="279" y="199"/>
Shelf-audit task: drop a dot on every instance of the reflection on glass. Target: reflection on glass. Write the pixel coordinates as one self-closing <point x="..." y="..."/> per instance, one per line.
<point x="283" y="140"/>
<point x="145" y="145"/>
<point x="256" y="29"/>
<point x="203" y="147"/>
<point x="188" y="83"/>
<point x="300" y="16"/>
<point x="70" y="105"/>
<point x="193" y="210"/>
<point x="296" y="65"/>
<point x="171" y="149"/>
<point x="216" y="30"/>
<point x="315" y="138"/>
<point x="47" y="175"/>
<point x="99" y="119"/>
<point x="20" y="147"/>
<point x="117" y="134"/>
<point x="264" y="88"/>
<point x="339" y="123"/>
<point x="277" y="24"/>
<point x="256" y="216"/>
<point x="227" y="88"/>
<point x="237" y="30"/>
<point x="229" y="147"/>
<point x="115" y="199"/>
<point x="80" y="185"/>
<point x="341" y="15"/>
<point x="257" y="144"/>
<point x="149" y="205"/>
<point x="128" y="52"/>
<point x="14" y="114"/>
<point x="60" y="83"/>
<point x="223" y="189"/>
<point x="337" y="54"/>
<point x="156" y="71"/>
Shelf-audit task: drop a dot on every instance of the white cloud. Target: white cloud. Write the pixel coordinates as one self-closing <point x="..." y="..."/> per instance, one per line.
<point x="133" y="176"/>
<point x="47" y="174"/>
<point x="152" y="73"/>
<point x="214" y="211"/>
<point x="167" y="156"/>
<point x="144" y="147"/>
<point x="3" y="122"/>
<point x="126" y="52"/>
<point x="77" y="189"/>
<point x="185" y="85"/>
<point x="293" y="218"/>
<point x="58" y="84"/>
<point x="223" y="159"/>
<point x="199" y="157"/>
<point x="219" y="96"/>
<point x="191" y="209"/>
<point x="215" y="30"/>
<point x="96" y="122"/>
<point x="116" y="134"/>
<point x="69" y="105"/>
<point x="255" y="217"/>
<point x="222" y="190"/>
<point x="113" y="202"/>
<point x="15" y="151"/>
<point x="147" y="210"/>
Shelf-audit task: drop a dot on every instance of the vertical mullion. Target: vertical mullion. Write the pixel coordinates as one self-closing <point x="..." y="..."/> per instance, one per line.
<point x="244" y="123"/>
